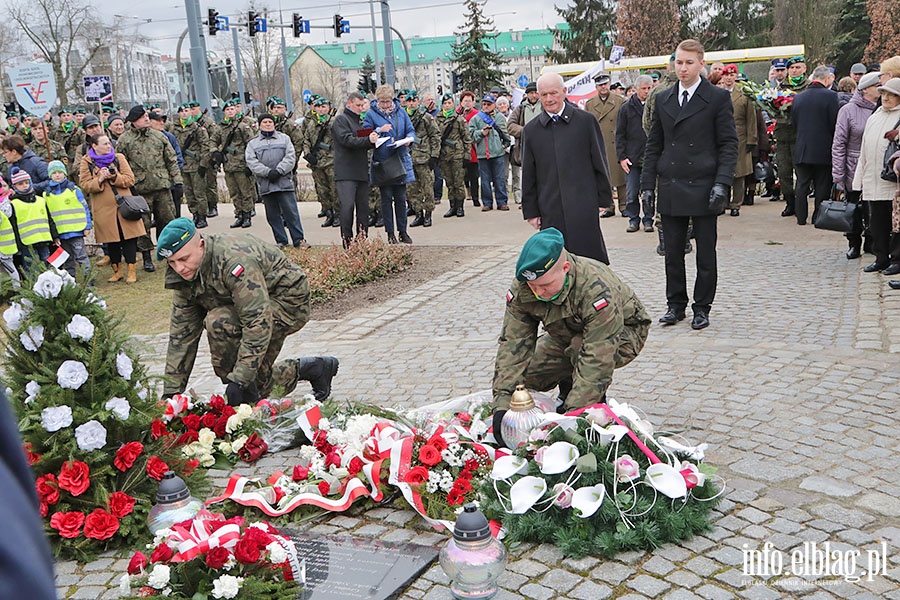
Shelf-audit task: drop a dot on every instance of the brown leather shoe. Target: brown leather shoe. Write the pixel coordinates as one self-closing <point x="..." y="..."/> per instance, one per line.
<point x="503" y="207"/>
<point x="486" y="208"/>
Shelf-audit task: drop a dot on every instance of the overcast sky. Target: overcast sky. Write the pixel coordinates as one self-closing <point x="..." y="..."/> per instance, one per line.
<point x="410" y="17"/>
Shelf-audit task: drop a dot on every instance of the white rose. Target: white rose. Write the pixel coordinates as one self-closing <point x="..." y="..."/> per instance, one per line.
<point x="93" y="299"/>
<point x="141" y="391"/>
<point x="32" y="389"/>
<point x="55" y="418"/>
<point x="233" y="423"/>
<point x="14" y="315"/>
<point x="227" y="586"/>
<point x="206" y="437"/>
<point x="238" y="443"/>
<point x="277" y="553"/>
<point x="90" y="436"/>
<point x="159" y="576"/>
<point x="71" y="374"/>
<point x="48" y="285"/>
<point x="119" y="407"/>
<point x="32" y="338"/>
<point x="207" y="460"/>
<point x="225" y="448"/>
<point x="245" y="411"/>
<point x="80" y="327"/>
<point x="124" y="365"/>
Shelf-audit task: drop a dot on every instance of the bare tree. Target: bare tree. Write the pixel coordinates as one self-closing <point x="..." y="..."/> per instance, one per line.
<point x="810" y="22"/>
<point x="327" y="81"/>
<point x="66" y="33"/>
<point x="261" y="60"/>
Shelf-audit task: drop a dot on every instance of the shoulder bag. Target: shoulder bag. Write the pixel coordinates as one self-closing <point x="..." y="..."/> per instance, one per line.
<point x="132" y="208"/>
<point x="836" y="214"/>
<point x="887" y="172"/>
<point x="388" y="171"/>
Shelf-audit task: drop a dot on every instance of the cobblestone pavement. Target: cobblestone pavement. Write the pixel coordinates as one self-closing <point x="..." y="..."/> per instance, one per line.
<point x="794" y="386"/>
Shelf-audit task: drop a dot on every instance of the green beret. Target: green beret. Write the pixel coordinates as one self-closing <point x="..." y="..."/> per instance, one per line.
<point x="64" y="110"/>
<point x="321" y="101"/>
<point x="539" y="254"/>
<point x="175" y="235"/>
<point x="231" y="102"/>
<point x="795" y="59"/>
<point x="445" y="97"/>
<point x="184" y="106"/>
<point x="194" y="104"/>
<point x="106" y="109"/>
<point x="412" y="95"/>
<point x="80" y="111"/>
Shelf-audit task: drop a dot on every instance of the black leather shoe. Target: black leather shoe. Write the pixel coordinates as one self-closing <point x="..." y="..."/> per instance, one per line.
<point x="735" y="212"/>
<point x="322" y="213"/>
<point x="892" y="270"/>
<point x="894" y="284"/>
<point x="607" y="213"/>
<point x="379" y="221"/>
<point x="700" y="320"/>
<point x="392" y="239"/>
<point x="419" y="220"/>
<point x="460" y="212"/>
<point x="672" y="316"/>
<point x="200" y="222"/>
<point x="427" y="221"/>
<point x="329" y="219"/>
<point x="853" y="253"/>
<point x="875" y="266"/>
<point x="788" y="212"/>
<point x="404" y="238"/>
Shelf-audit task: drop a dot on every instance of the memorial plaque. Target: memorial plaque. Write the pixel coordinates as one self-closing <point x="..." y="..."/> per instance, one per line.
<point x="353" y="568"/>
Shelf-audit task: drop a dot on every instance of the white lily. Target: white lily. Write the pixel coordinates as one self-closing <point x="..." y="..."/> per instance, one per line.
<point x="613" y="433"/>
<point x="567" y="422"/>
<point x="525" y="492"/>
<point x="666" y="480"/>
<point x="587" y="500"/>
<point x="507" y="466"/>
<point x="695" y="452"/>
<point x="558" y="458"/>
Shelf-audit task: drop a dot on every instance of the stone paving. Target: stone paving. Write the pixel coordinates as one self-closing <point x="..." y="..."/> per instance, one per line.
<point x="794" y="386"/>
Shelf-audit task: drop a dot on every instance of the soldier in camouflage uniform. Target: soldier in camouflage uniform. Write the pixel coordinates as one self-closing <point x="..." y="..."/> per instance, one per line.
<point x="285" y="124"/>
<point x="228" y="143"/>
<point x="456" y="142"/>
<point x="194" y="143"/>
<point x="249" y="298"/>
<point x="155" y="167"/>
<point x="208" y="170"/>
<point x="317" y="149"/>
<point x="786" y="135"/>
<point x="592" y="324"/>
<point x="57" y="151"/>
<point x="425" y="154"/>
<point x="69" y="134"/>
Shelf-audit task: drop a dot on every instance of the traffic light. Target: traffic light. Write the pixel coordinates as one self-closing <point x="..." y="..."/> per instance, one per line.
<point x="297" y="25"/>
<point x="457" y="82"/>
<point x="338" y="27"/>
<point x="440" y="90"/>
<point x="251" y="23"/>
<point x="211" y="21"/>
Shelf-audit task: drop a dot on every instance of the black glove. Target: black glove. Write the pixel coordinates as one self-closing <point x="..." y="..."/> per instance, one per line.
<point x="165" y="397"/>
<point x="237" y="394"/>
<point x="751" y="148"/>
<point x="498" y="419"/>
<point x="718" y="198"/>
<point x="432" y="162"/>
<point x="218" y="157"/>
<point x="274" y="175"/>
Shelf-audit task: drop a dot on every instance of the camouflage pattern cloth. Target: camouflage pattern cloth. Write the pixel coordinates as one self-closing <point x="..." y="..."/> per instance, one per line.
<point x="71" y="139"/>
<point x="323" y="152"/>
<point x="667" y="81"/>
<point x="427" y="146"/>
<point x="596" y="325"/>
<point x="209" y="171"/>
<point x="240" y="132"/>
<point x="249" y="298"/>
<point x="152" y="159"/>
<point x="242" y="189"/>
<point x="454" y="150"/>
<point x="785" y="140"/>
<point x="285" y="124"/>
<point x="194" y="142"/>
<point x="162" y="209"/>
<point x="57" y="152"/>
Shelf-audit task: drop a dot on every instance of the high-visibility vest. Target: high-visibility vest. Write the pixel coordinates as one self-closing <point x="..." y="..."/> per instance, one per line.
<point x="32" y="221"/>
<point x="8" y="245"/>
<point x="66" y="211"/>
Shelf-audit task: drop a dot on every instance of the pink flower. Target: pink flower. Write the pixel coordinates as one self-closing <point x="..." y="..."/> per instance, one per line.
<point x="626" y="468"/>
<point x="563" y="495"/>
<point x="692" y="475"/>
<point x="539" y="456"/>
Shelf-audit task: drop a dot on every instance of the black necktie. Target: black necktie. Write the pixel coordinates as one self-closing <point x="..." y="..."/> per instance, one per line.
<point x="684" y="98"/>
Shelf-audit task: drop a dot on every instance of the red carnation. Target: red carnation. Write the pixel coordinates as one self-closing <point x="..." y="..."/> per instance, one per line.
<point x="417" y="475"/>
<point x="47" y="489"/>
<point x="355" y="465"/>
<point x="74" y="477"/>
<point x="208" y="420"/>
<point x="137" y="563"/>
<point x="217" y="557"/>
<point x="228" y="410"/>
<point x="127" y="454"/>
<point x="190" y="421"/>
<point x="438" y="442"/>
<point x="300" y="473"/>
<point x="324" y="487"/>
<point x="188" y="436"/>
<point x="33" y="457"/>
<point x="455" y="497"/>
<point x="120" y="504"/>
<point x="466" y="474"/>
<point x="471" y="465"/>
<point x="68" y="524"/>
<point x="429" y="455"/>
<point x="333" y="458"/>
<point x="253" y="448"/>
<point x="158" y="429"/>
<point x="217" y="403"/>
<point x="279" y="494"/>
<point x="156" y="468"/>
<point x="258" y="537"/>
<point x="100" y="525"/>
<point x="246" y="551"/>
<point x="43" y="509"/>
<point x="190" y="465"/>
<point x="162" y="553"/>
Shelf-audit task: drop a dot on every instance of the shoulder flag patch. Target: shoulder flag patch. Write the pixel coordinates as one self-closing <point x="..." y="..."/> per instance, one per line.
<point x="600" y="304"/>
<point x="236" y="272"/>
<point x="509" y="296"/>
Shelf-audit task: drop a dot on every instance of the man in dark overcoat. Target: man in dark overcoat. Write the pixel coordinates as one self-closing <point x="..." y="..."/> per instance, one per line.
<point x="565" y="176"/>
<point x="691" y="154"/>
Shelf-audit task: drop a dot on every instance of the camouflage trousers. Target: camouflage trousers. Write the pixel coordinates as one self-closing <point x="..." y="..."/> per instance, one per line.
<point x="223" y="332"/>
<point x="212" y="187"/>
<point x="784" y="160"/>
<point x="195" y="192"/>
<point x="453" y="172"/>
<point x="374" y="198"/>
<point x="325" y="188"/>
<point x="553" y="361"/>
<point x="242" y="190"/>
<point x="421" y="192"/>
<point x="162" y="207"/>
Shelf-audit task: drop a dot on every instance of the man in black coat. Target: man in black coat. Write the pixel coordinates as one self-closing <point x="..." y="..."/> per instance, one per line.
<point x="565" y="176"/>
<point x="814" y="114"/>
<point x="630" y="143"/>
<point x="351" y="165"/>
<point x="690" y="157"/>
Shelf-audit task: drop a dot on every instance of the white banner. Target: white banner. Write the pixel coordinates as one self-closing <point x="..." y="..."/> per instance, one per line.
<point x="35" y="87"/>
<point x="581" y="88"/>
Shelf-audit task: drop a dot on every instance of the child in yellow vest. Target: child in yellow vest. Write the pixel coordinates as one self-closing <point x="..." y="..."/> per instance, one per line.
<point x="8" y="246"/>
<point x="34" y="230"/>
<point x="69" y="212"/>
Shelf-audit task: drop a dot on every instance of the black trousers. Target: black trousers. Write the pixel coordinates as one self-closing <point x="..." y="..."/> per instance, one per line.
<point x="353" y="197"/>
<point x="860" y="220"/>
<point x="885" y="245"/>
<point x="471" y="178"/>
<point x="807" y="176"/>
<point x="676" y="231"/>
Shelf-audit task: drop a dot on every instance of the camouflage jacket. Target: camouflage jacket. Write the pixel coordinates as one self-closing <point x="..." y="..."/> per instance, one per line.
<point x="151" y="157"/>
<point x="458" y="142"/>
<point x="287" y="126"/>
<point x="428" y="137"/>
<point x="70" y="140"/>
<point x="667" y="81"/>
<point x="323" y="152"/>
<point x="251" y="277"/>
<point x="194" y="142"/>
<point x="596" y="310"/>
<point x="57" y="152"/>
<point x="234" y="151"/>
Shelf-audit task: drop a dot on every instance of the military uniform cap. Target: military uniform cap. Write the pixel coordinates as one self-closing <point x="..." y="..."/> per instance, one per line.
<point x="795" y="59"/>
<point x="63" y="110"/>
<point x="321" y="101"/>
<point x="80" y="111"/>
<point x="654" y="76"/>
<point x="135" y="113"/>
<point x="539" y="254"/>
<point x="779" y="63"/>
<point x="184" y="106"/>
<point x="231" y="102"/>
<point x="412" y="95"/>
<point x="174" y="236"/>
<point x="445" y="97"/>
<point x="601" y="79"/>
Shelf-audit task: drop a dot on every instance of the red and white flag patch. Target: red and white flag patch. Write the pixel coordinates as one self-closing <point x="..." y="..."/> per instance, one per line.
<point x="236" y="272"/>
<point x="601" y="304"/>
<point x="509" y="296"/>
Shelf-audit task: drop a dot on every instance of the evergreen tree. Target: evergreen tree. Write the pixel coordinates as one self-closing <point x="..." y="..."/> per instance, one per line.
<point x="588" y="37"/>
<point x="738" y="24"/>
<point x="648" y="27"/>
<point x="851" y="35"/>
<point x="367" y="83"/>
<point x="475" y="61"/>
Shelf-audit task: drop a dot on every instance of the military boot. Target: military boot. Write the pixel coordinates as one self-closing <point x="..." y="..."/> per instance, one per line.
<point x="246" y="222"/>
<point x="379" y="219"/>
<point x="336" y="221"/>
<point x="565" y="386"/>
<point x="200" y="222"/>
<point x="329" y="218"/>
<point x="318" y="371"/>
<point x="148" y="261"/>
<point x="427" y="220"/>
<point x="661" y="248"/>
<point x="452" y="211"/>
<point x="419" y="220"/>
<point x="212" y="212"/>
<point x="373" y="216"/>
<point x="238" y="220"/>
<point x="322" y="213"/>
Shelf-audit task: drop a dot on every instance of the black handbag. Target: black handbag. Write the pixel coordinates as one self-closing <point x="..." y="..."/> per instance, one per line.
<point x="132" y="208"/>
<point x="887" y="172"/>
<point x="389" y="171"/>
<point x="836" y="215"/>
